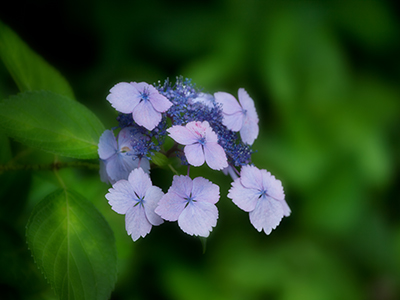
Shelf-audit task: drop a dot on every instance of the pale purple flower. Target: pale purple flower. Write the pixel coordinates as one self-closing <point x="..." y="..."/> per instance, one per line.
<point x="192" y="204"/>
<point x="142" y="100"/>
<point x="261" y="194"/>
<point x="239" y="116"/>
<point x="118" y="158"/>
<point x="136" y="198"/>
<point x="201" y="144"/>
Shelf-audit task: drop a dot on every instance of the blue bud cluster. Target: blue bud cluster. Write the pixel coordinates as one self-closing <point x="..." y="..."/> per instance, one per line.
<point x="185" y="109"/>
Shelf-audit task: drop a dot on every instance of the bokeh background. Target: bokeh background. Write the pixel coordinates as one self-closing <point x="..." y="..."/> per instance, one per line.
<point x="324" y="76"/>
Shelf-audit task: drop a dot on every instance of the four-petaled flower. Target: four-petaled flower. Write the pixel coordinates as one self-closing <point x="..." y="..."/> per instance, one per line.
<point x="192" y="204"/>
<point x="118" y="159"/>
<point x="201" y="144"/>
<point x="240" y="116"/>
<point x="260" y="193"/>
<point x="137" y="199"/>
<point x="142" y="100"/>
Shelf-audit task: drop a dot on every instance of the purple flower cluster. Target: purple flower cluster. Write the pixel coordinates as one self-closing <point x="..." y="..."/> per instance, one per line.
<point x="214" y="129"/>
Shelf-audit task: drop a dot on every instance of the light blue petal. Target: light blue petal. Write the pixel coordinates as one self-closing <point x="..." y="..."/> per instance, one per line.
<point x="267" y="214"/>
<point x="123" y="97"/>
<point x="205" y="190"/>
<point x="107" y="145"/>
<point x="245" y="198"/>
<point x="121" y="197"/>
<point x="136" y="223"/>
<point x="151" y="199"/>
<point x="198" y="218"/>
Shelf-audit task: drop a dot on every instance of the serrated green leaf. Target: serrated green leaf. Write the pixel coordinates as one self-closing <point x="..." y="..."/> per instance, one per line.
<point x="29" y="70"/>
<point x="73" y="246"/>
<point x="51" y="122"/>
<point x="5" y="149"/>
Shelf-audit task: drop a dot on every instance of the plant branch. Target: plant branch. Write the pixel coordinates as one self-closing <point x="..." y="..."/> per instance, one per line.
<point x="52" y="166"/>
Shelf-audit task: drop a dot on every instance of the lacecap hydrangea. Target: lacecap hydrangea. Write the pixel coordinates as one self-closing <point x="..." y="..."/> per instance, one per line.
<point x="217" y="130"/>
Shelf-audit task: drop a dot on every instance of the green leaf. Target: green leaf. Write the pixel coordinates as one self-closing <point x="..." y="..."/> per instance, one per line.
<point x="51" y="122"/>
<point x="5" y="149"/>
<point x="73" y="246"/>
<point x="159" y="159"/>
<point x="28" y="69"/>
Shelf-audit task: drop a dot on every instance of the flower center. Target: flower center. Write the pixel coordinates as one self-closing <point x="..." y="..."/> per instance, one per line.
<point x="262" y="193"/>
<point x="144" y="95"/>
<point x="189" y="200"/>
<point x="202" y="141"/>
<point x="139" y="200"/>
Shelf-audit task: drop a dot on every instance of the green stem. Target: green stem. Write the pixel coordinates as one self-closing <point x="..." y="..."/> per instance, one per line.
<point x="173" y="169"/>
<point x="53" y="166"/>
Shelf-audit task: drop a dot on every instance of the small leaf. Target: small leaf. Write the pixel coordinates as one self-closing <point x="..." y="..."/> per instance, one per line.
<point x="28" y="69"/>
<point x="159" y="159"/>
<point x="203" y="241"/>
<point x="73" y="246"/>
<point x="51" y="122"/>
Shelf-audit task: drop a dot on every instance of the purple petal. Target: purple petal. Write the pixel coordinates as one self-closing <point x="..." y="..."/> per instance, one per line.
<point x="245" y="198"/>
<point x="120" y="165"/>
<point x="140" y="86"/>
<point x="136" y="223"/>
<point x="107" y="145"/>
<point x="247" y="103"/>
<point x="233" y="122"/>
<point x="286" y="208"/>
<point x="145" y="115"/>
<point x="120" y="197"/>
<point x="125" y="139"/>
<point x="272" y="185"/>
<point x="209" y="134"/>
<point x="140" y="182"/>
<point x="170" y="206"/>
<point x="251" y="177"/>
<point x="206" y="99"/>
<point x="194" y="154"/>
<point x="151" y="199"/>
<point x="182" y="186"/>
<point x="249" y="131"/>
<point x="204" y="190"/>
<point x="103" y="172"/>
<point x="159" y="102"/>
<point x="267" y="214"/>
<point x="198" y="218"/>
<point x="123" y="97"/>
<point x="229" y="103"/>
<point x="143" y="163"/>
<point x="182" y="135"/>
<point x="173" y="202"/>
<point x="198" y="129"/>
<point x="229" y="170"/>
<point x="215" y="156"/>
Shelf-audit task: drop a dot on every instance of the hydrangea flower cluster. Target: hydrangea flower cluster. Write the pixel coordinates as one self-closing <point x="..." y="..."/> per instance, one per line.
<point x="216" y="130"/>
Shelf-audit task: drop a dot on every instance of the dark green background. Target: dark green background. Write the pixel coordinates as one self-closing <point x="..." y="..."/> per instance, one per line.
<point x="324" y="76"/>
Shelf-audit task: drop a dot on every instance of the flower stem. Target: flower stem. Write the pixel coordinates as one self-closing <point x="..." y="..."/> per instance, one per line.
<point x="173" y="169"/>
<point x="52" y="166"/>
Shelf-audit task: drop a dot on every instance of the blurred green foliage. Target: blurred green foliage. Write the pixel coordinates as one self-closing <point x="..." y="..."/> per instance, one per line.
<point x="324" y="76"/>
